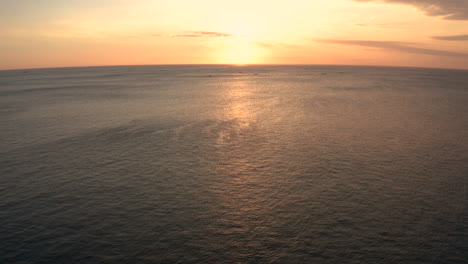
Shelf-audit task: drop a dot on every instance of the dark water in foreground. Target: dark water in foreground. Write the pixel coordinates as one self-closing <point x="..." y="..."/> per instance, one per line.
<point x="226" y="164"/>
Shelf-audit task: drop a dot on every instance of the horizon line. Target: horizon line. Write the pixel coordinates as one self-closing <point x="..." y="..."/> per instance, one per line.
<point x="236" y="65"/>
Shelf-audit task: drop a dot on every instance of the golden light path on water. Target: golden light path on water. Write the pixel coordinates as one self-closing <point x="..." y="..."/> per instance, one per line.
<point x="245" y="187"/>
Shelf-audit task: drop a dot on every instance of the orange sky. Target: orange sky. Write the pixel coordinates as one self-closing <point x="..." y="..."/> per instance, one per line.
<point x="56" y="33"/>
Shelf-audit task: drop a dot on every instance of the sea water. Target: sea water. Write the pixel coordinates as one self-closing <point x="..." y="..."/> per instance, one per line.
<point x="233" y="164"/>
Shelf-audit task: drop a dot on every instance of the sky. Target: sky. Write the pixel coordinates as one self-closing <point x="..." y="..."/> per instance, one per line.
<point x="65" y="33"/>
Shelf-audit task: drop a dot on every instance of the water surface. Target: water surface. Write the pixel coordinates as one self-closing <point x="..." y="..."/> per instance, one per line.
<point x="230" y="164"/>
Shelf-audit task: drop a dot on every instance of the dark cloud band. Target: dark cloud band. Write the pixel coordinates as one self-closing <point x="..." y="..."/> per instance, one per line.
<point x="452" y="38"/>
<point x="448" y="9"/>
<point x="396" y="46"/>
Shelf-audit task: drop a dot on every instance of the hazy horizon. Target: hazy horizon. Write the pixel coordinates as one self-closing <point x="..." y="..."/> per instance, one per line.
<point x="236" y="65"/>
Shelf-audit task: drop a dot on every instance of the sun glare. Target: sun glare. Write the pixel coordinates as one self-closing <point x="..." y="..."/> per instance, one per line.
<point x="240" y="52"/>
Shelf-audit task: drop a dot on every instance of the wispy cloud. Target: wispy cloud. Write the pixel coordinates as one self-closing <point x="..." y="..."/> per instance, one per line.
<point x="447" y="9"/>
<point x="264" y="44"/>
<point x="395" y="46"/>
<point x="374" y="25"/>
<point x="452" y="38"/>
<point x="272" y="45"/>
<point x="202" y="34"/>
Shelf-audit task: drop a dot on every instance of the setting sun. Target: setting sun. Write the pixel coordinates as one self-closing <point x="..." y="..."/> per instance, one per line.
<point x="240" y="52"/>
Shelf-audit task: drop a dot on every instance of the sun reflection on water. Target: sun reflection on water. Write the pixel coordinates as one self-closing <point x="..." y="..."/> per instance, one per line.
<point x="239" y="106"/>
<point x="242" y="192"/>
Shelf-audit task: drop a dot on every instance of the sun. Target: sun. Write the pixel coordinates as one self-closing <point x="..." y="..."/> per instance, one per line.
<point x="240" y="52"/>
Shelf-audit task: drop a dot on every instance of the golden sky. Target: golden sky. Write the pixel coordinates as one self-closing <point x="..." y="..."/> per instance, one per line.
<point x="57" y="33"/>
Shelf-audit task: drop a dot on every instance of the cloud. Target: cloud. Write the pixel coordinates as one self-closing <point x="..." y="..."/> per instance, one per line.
<point x="447" y="9"/>
<point x="214" y="34"/>
<point x="395" y="46"/>
<point x="274" y="45"/>
<point x="452" y="38"/>
<point x="264" y="45"/>
<point x="374" y="25"/>
<point x="202" y="34"/>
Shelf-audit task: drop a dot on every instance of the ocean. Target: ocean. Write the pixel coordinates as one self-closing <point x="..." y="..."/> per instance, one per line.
<point x="234" y="164"/>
